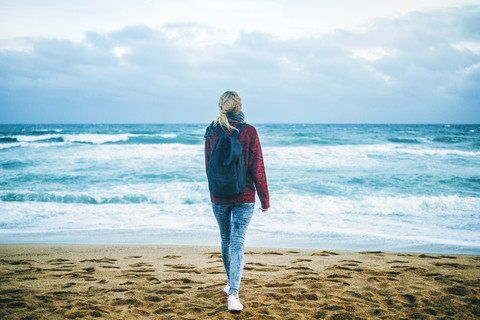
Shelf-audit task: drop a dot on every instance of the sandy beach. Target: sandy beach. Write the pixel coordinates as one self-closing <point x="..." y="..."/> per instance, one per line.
<point x="186" y="282"/>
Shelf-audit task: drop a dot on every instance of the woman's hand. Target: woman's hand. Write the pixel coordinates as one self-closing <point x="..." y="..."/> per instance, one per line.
<point x="263" y="210"/>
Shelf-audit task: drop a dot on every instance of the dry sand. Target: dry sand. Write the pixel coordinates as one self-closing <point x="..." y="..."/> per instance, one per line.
<point x="180" y="282"/>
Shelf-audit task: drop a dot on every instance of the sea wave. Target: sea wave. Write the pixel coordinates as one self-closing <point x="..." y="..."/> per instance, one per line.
<point x="41" y="131"/>
<point x="7" y="139"/>
<point x="405" y="140"/>
<point x="13" y="130"/>
<point x="35" y="138"/>
<point x="449" y="139"/>
<point x="4" y="146"/>
<point x="437" y="206"/>
<point x="71" y="198"/>
<point x="13" y="164"/>
<point x="96" y="138"/>
<point x="69" y="138"/>
<point x="450" y="220"/>
<point x="357" y="152"/>
<point x="58" y="217"/>
<point x="174" y="193"/>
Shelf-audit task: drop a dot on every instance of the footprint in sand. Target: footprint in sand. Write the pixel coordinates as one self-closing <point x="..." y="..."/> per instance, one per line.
<point x="210" y="271"/>
<point x="278" y="284"/>
<point x="213" y="255"/>
<point x="301" y="260"/>
<point x="109" y="267"/>
<point x="338" y="276"/>
<point x="434" y="274"/>
<point x="407" y="299"/>
<point x="342" y="268"/>
<point x="262" y="269"/>
<point x="171" y="257"/>
<point x="68" y="285"/>
<point x="183" y="281"/>
<point x="372" y="252"/>
<point x="125" y="302"/>
<point x="169" y="291"/>
<point x="258" y="264"/>
<point x="16" y="305"/>
<point x="351" y="294"/>
<point x="154" y="280"/>
<point x="305" y="276"/>
<point x="408" y="268"/>
<point x="457" y="290"/>
<point x="216" y="261"/>
<point x="181" y="269"/>
<point x="139" y="265"/>
<point x="179" y="266"/>
<point x="324" y="253"/>
<point x="102" y="260"/>
<point x="398" y="261"/>
<point x="139" y="270"/>
<point x="350" y="261"/>
<point x="58" y="261"/>
<point x="16" y="262"/>
<point x="453" y="265"/>
<point x="299" y="268"/>
<point x="153" y="298"/>
<point x="426" y="256"/>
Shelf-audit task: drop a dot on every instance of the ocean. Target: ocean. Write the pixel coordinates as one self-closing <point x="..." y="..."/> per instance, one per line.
<point x="411" y="188"/>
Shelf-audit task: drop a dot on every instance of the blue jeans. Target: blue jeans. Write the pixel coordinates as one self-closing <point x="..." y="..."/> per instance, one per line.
<point x="233" y="220"/>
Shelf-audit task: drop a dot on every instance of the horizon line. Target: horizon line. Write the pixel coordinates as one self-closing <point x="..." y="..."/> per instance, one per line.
<point x="261" y="123"/>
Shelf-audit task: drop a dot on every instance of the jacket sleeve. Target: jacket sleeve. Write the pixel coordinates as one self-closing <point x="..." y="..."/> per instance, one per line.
<point x="208" y="148"/>
<point x="257" y="169"/>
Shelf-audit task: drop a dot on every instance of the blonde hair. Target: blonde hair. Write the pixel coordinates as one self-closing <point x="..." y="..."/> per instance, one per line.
<point x="229" y="102"/>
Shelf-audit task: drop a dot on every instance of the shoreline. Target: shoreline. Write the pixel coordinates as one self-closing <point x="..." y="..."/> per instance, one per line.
<point x="162" y="236"/>
<point x="416" y="249"/>
<point x="58" y="281"/>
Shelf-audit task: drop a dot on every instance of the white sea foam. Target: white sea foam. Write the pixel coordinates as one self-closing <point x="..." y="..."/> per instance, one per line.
<point x="86" y="137"/>
<point x="168" y="135"/>
<point x="48" y="216"/>
<point x="47" y="130"/>
<point x="10" y="145"/>
<point x="429" y="219"/>
<point x="93" y="138"/>
<point x="437" y="206"/>
<point x="185" y="207"/>
<point x="25" y="138"/>
<point x="96" y="138"/>
<point x="352" y="155"/>
<point x="442" y="152"/>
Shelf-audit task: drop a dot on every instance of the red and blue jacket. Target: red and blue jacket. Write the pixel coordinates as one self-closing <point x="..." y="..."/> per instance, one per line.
<point x="252" y="154"/>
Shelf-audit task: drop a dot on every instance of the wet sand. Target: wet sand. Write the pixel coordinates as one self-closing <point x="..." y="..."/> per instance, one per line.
<point x="186" y="282"/>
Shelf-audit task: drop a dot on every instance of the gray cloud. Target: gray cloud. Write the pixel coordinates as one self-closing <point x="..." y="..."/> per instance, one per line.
<point x="410" y="69"/>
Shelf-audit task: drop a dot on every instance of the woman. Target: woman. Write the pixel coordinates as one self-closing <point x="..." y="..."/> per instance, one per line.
<point x="233" y="214"/>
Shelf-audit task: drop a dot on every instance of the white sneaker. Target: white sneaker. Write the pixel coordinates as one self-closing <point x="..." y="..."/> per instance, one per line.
<point x="227" y="288"/>
<point x="234" y="304"/>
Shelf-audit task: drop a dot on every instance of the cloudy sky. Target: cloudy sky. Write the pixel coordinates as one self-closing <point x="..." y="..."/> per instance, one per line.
<point x="143" y="61"/>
